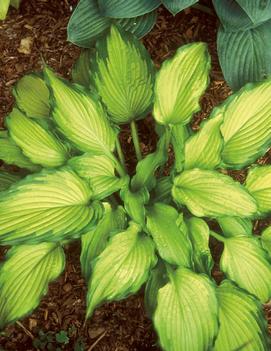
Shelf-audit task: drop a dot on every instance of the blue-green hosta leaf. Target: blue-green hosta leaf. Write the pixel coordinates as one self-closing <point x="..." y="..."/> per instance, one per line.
<point x="247" y="264"/>
<point x="175" y="6"/>
<point x="80" y="117"/>
<point x="232" y="16"/>
<point x="7" y="179"/>
<point x="199" y="236"/>
<point x="258" y="183"/>
<point x="11" y="154"/>
<point x="242" y="325"/>
<point x="123" y="77"/>
<point x="38" y="144"/>
<point x="140" y="25"/>
<point x="172" y="243"/>
<point x="126" y="8"/>
<point x="180" y="83"/>
<point x="235" y="226"/>
<point x="211" y="194"/>
<point x="51" y="206"/>
<point x="186" y="317"/>
<point x="32" y="96"/>
<point x="24" y="278"/>
<point x="247" y="127"/>
<point x="81" y="69"/>
<point x="266" y="239"/>
<point x="245" y="56"/>
<point x="258" y="10"/>
<point x="157" y="279"/>
<point x="122" y="267"/>
<point x="4" y="5"/>
<point x="203" y="150"/>
<point x="87" y="24"/>
<point x="100" y="173"/>
<point x="94" y="242"/>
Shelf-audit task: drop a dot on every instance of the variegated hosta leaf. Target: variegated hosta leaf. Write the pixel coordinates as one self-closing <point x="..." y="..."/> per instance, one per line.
<point x="94" y="242"/>
<point x="266" y="240"/>
<point x="203" y="150"/>
<point x="7" y="179"/>
<point x="126" y="8"/>
<point x="24" y="278"/>
<point x="235" y="226"/>
<point x="247" y="264"/>
<point x="172" y="243"/>
<point x="124" y="76"/>
<point x="80" y="117"/>
<point x="4" y="5"/>
<point x="242" y="325"/>
<point x="139" y="26"/>
<point x="122" y="267"/>
<point x="11" y="154"/>
<point x="186" y="317"/>
<point x="81" y="69"/>
<point x="199" y="236"/>
<point x="38" y="144"/>
<point x="157" y="279"/>
<point x="180" y="83"/>
<point x="51" y="206"/>
<point x="175" y="6"/>
<point x="258" y="183"/>
<point x="247" y="127"/>
<point x="211" y="194"/>
<point x="32" y="96"/>
<point x="87" y="24"/>
<point x="99" y="171"/>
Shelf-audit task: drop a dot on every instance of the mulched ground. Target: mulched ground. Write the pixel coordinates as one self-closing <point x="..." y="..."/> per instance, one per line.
<point x="121" y="326"/>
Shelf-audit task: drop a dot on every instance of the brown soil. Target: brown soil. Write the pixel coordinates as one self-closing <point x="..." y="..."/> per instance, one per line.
<point x="121" y="326"/>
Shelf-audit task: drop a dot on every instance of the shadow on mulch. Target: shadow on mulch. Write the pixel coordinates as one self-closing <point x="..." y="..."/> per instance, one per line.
<point x="121" y="326"/>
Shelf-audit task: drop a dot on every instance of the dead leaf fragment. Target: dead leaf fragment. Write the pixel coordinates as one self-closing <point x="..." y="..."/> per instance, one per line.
<point x="26" y="46"/>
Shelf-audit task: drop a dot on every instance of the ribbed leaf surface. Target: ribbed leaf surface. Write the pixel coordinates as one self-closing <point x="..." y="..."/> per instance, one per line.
<point x="258" y="10"/>
<point x="172" y="244"/>
<point x="32" y="96"/>
<point x="180" y="83"/>
<point x="124" y="76"/>
<point x="245" y="56"/>
<point x="241" y="321"/>
<point x="199" y="236"/>
<point x="51" y="205"/>
<point x="87" y="24"/>
<point x="80" y="117"/>
<point x="100" y="173"/>
<point x="121" y="268"/>
<point x="126" y="8"/>
<point x="247" y="126"/>
<point x="203" y="150"/>
<point x="140" y="25"/>
<point x="24" y="278"/>
<point x="81" y="69"/>
<point x="235" y="226"/>
<point x="246" y="263"/>
<point x="7" y="179"/>
<point x="11" y="154"/>
<point x="186" y="315"/>
<point x="175" y="6"/>
<point x="266" y="240"/>
<point x="94" y="242"/>
<point x="209" y="193"/>
<point x="38" y="144"/>
<point x="258" y="183"/>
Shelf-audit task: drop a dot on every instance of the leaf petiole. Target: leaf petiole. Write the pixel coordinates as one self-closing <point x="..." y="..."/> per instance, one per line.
<point x="136" y="140"/>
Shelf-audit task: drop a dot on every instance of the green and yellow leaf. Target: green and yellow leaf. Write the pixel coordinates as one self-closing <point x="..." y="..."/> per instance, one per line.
<point x="266" y="240"/>
<point x="7" y="179"/>
<point x="235" y="226"/>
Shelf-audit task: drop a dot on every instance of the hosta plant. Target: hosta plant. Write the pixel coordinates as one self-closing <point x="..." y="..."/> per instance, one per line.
<point x="4" y="5"/>
<point x="154" y="227"/>
<point x="244" y="45"/>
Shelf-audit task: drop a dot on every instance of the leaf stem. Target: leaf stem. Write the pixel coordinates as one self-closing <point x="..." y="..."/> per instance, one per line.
<point x="121" y="171"/>
<point x="136" y="140"/>
<point x="120" y="154"/>
<point x="218" y="236"/>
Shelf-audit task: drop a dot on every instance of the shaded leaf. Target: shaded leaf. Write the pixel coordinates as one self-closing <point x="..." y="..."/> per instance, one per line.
<point x="7" y="179"/>
<point x="235" y="226"/>
<point x="258" y="11"/>
<point x="175" y="6"/>
<point x="126" y="8"/>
